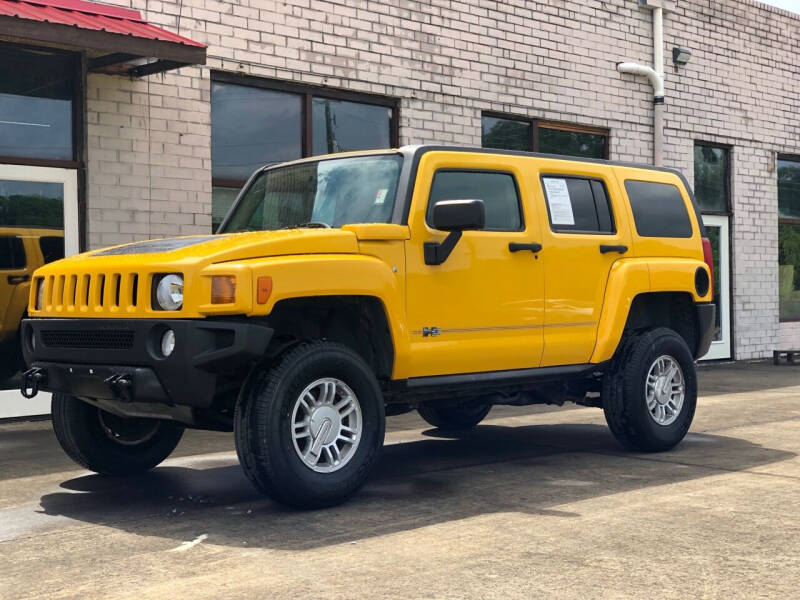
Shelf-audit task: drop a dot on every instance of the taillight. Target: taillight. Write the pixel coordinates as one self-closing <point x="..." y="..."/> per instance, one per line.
<point x="708" y="258"/>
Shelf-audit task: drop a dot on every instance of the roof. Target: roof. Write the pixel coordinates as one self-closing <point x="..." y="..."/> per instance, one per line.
<point x="91" y="26"/>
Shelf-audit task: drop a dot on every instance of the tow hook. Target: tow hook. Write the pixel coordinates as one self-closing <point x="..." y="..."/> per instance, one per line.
<point x="31" y="379"/>
<point x="120" y="385"/>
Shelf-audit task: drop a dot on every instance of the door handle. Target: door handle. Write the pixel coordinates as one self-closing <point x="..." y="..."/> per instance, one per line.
<point x="517" y="247"/>
<point x="606" y="248"/>
<point x="17" y="279"/>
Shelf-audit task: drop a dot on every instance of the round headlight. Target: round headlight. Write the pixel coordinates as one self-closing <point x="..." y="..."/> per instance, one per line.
<point x="169" y="293"/>
<point x="168" y="342"/>
<point x="40" y="295"/>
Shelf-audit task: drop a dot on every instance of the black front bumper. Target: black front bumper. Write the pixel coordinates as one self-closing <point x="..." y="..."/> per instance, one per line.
<point x="121" y="359"/>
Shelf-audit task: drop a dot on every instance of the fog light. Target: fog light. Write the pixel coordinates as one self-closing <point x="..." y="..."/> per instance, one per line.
<point x="167" y="342"/>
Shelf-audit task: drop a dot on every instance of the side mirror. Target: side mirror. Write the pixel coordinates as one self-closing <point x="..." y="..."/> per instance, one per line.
<point x="459" y="215"/>
<point x="454" y="216"/>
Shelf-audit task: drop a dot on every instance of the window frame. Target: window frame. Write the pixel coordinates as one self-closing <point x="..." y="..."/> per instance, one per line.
<point x="307" y="94"/>
<point x="78" y="112"/>
<point x="537" y="123"/>
<point x="522" y="223"/>
<point x="785" y="220"/>
<point x="601" y="181"/>
<point x="728" y="174"/>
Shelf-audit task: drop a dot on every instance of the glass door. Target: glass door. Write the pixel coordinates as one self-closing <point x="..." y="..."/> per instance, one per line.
<point x="38" y="224"/>
<point x="717" y="232"/>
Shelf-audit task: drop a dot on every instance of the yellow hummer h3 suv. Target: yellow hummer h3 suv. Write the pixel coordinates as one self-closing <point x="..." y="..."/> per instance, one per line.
<point x="342" y="288"/>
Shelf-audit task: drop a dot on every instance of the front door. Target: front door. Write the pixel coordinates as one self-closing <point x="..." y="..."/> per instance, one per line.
<point x="38" y="224"/>
<point x="717" y="233"/>
<point x="481" y="309"/>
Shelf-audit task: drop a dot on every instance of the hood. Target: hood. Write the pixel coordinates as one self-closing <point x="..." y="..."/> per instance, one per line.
<point x="226" y="247"/>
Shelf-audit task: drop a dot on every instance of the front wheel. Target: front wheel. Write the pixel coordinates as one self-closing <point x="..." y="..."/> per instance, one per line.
<point x="108" y="444"/>
<point x="650" y="392"/>
<point x="310" y="429"/>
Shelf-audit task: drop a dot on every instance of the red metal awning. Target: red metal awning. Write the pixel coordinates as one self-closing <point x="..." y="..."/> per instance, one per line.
<point x="122" y="33"/>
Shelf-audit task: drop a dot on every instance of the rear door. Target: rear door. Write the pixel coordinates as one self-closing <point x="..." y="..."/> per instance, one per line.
<point x="583" y="234"/>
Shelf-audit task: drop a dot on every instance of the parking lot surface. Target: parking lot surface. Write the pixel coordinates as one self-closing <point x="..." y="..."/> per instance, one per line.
<point x="535" y="502"/>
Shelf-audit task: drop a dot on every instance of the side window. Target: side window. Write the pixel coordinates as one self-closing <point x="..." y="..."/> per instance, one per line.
<point x="497" y="190"/>
<point x="52" y="248"/>
<point x="577" y="204"/>
<point x="12" y="253"/>
<point x="658" y="209"/>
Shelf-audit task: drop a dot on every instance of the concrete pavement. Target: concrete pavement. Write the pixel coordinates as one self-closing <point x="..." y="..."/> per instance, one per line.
<point x="533" y="503"/>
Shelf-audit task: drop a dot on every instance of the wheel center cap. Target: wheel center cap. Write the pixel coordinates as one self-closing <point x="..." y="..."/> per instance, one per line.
<point x="662" y="397"/>
<point x="325" y="422"/>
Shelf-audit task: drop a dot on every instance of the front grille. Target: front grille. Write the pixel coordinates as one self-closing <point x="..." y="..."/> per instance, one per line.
<point x="105" y="339"/>
<point x="95" y="292"/>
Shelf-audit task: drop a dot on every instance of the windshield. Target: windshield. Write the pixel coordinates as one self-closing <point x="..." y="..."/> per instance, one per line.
<point x="334" y="192"/>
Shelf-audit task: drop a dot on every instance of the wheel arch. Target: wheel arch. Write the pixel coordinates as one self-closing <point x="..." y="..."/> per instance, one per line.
<point x="359" y="322"/>
<point x="639" y="294"/>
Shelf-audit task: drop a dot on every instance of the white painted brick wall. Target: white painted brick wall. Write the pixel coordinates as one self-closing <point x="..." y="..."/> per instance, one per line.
<point x="149" y="166"/>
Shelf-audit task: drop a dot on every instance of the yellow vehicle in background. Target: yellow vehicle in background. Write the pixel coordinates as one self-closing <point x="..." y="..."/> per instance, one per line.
<point x="342" y="288"/>
<point x="22" y="251"/>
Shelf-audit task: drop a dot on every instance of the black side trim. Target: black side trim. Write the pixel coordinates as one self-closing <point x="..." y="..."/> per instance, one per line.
<point x="512" y="377"/>
<point x="706" y="312"/>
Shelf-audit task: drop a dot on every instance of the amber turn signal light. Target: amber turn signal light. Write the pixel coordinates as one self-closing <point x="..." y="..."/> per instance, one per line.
<point x="223" y="289"/>
<point x="263" y="290"/>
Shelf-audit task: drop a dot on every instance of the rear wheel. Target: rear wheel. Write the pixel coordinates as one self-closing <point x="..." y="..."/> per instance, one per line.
<point x="650" y="393"/>
<point x="108" y="444"/>
<point x="453" y="418"/>
<point x="310" y="429"/>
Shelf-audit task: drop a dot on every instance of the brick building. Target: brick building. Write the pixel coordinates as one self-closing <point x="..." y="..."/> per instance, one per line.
<point x="162" y="138"/>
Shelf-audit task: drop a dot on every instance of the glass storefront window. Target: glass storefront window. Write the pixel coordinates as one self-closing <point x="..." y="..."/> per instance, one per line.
<point x="505" y="134"/>
<point x="789" y="188"/>
<point x="36" y="96"/>
<point x="515" y="134"/>
<point x="711" y="178"/>
<point x="572" y="143"/>
<point x="31" y="234"/>
<point x="31" y="204"/>
<point x="254" y="125"/>
<point x="789" y="239"/>
<point x="222" y="199"/>
<point x="341" y="126"/>
<point x="251" y="127"/>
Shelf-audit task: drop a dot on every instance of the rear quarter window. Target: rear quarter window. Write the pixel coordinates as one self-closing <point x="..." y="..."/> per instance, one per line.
<point x="658" y="209"/>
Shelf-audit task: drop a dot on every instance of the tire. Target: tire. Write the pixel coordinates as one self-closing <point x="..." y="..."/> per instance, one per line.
<point x="664" y="423"/>
<point x="111" y="445"/>
<point x="269" y="411"/>
<point x="454" y="418"/>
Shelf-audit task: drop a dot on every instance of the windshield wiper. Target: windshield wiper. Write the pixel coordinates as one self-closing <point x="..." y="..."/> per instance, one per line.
<point x="309" y="225"/>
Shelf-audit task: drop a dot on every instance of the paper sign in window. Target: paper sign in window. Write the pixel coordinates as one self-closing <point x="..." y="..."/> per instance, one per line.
<point x="558" y="201"/>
